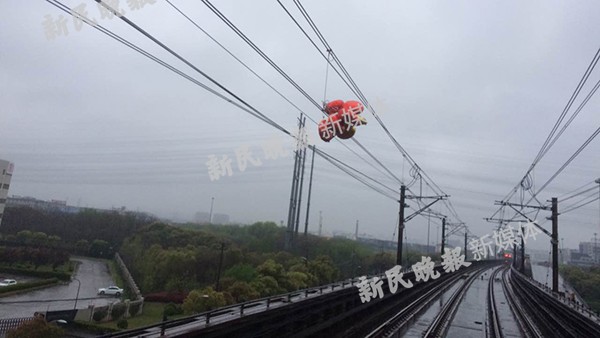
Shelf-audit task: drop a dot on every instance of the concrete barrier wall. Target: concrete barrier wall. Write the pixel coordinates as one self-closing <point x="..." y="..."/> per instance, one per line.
<point x="128" y="278"/>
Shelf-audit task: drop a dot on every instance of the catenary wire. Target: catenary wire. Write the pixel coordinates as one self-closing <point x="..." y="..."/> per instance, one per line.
<point x="257" y="114"/>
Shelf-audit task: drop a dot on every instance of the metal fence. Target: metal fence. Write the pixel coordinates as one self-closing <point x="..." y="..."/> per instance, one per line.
<point x="11" y="323"/>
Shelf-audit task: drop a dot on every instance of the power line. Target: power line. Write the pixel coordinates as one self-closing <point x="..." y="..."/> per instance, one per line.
<point x="259" y="51"/>
<point x="577" y="152"/>
<point x="356" y="171"/>
<point x="246" y="39"/>
<point x="549" y="142"/>
<point x="575" y="207"/>
<point x="233" y="55"/>
<point x="356" y="90"/>
<point x="580" y="85"/>
<point x="251" y="111"/>
<point x="100" y="28"/>
<point x="353" y="172"/>
<point x="577" y="194"/>
<point x="560" y="197"/>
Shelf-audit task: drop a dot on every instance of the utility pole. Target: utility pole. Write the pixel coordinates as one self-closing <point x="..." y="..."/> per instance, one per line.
<point x="466" y="244"/>
<point x="402" y="219"/>
<point x="595" y="248"/>
<point x="522" y="268"/>
<point x="400" y="225"/>
<point x="444" y="235"/>
<point x="312" y="166"/>
<point x="293" y="208"/>
<point x="302" y="144"/>
<point x="212" y="202"/>
<point x="356" y="232"/>
<point x="562" y="251"/>
<point x="428" y="229"/>
<point x="554" y="244"/>
<point x="320" y="223"/>
<point x="553" y="235"/>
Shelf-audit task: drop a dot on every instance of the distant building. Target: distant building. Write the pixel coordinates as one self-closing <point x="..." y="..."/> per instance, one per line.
<point x="581" y="259"/>
<point x="538" y="255"/>
<point x="61" y="206"/>
<point x="6" y="171"/>
<point x="52" y="205"/>
<point x="592" y="249"/>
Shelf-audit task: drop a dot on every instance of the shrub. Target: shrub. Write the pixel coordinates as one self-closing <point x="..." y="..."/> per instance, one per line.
<point x="100" y="314"/>
<point x="34" y="273"/>
<point x="134" y="308"/>
<point x="118" y="311"/>
<point x="166" y="297"/>
<point x="29" y="285"/>
<point x="122" y="323"/>
<point x="172" y="309"/>
<point x="91" y="328"/>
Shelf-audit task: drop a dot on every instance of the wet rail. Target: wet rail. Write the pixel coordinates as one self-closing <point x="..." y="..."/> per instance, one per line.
<point x="440" y="324"/>
<point x="526" y="322"/>
<point x="493" y="329"/>
<point x="403" y="317"/>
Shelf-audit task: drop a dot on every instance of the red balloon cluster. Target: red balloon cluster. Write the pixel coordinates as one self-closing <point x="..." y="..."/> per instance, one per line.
<point x="342" y="120"/>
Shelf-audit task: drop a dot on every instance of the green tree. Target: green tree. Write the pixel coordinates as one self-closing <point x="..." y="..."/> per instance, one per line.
<point x="242" y="272"/>
<point x="82" y="246"/>
<point x="39" y="238"/>
<point x="242" y="292"/>
<point x="24" y="237"/>
<point x="322" y="267"/>
<point x="203" y="300"/>
<point x="296" y="280"/>
<point x="267" y="286"/>
<point x="100" y="248"/>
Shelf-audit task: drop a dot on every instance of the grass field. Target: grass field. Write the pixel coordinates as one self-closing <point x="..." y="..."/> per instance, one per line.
<point x="152" y="314"/>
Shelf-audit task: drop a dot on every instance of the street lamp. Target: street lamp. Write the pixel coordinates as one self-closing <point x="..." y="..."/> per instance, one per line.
<point x="77" y="297"/>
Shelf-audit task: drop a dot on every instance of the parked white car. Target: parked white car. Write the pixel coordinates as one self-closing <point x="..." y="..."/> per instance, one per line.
<point x="111" y="290"/>
<point x="8" y="282"/>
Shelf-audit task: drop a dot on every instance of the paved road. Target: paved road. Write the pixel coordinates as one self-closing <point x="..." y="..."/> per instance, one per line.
<point x="93" y="275"/>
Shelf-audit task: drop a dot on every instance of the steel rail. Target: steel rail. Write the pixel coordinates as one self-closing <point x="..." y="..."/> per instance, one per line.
<point x="493" y="323"/>
<point x="526" y="323"/>
<point x="441" y="322"/>
<point x="400" y="319"/>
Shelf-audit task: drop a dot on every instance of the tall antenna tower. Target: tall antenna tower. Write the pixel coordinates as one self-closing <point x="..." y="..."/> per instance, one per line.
<point x="320" y="223"/>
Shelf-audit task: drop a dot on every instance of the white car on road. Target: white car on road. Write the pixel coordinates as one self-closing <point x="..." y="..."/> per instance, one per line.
<point x="111" y="290"/>
<point x="8" y="282"/>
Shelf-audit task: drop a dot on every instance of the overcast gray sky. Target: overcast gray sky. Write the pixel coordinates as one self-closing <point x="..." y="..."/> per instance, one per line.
<point x="470" y="89"/>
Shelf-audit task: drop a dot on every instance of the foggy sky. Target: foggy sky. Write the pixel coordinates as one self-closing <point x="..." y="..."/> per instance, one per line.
<point x="470" y="89"/>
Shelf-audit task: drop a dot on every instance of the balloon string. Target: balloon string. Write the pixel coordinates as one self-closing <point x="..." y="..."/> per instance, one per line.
<point x="326" y="76"/>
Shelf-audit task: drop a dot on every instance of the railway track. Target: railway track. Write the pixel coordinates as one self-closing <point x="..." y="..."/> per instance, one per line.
<point x="545" y="316"/>
<point x="397" y="323"/>
<point x="442" y="321"/>
<point x="493" y="329"/>
<point x="526" y="322"/>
